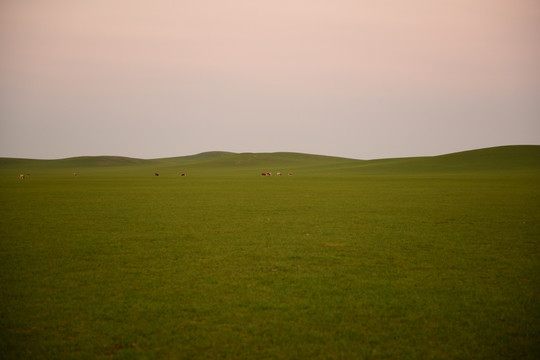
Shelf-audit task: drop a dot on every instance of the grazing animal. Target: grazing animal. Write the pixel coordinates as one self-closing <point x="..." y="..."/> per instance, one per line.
<point x="21" y="176"/>
<point x="74" y="174"/>
<point x="278" y="174"/>
<point x="263" y="174"/>
<point x="290" y="174"/>
<point x="268" y="174"/>
<point x="156" y="174"/>
<point x="183" y="174"/>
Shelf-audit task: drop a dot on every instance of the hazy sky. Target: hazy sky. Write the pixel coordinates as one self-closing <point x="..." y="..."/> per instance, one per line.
<point x="356" y="78"/>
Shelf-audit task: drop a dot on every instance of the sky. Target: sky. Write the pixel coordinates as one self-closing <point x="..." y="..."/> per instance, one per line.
<point x="361" y="79"/>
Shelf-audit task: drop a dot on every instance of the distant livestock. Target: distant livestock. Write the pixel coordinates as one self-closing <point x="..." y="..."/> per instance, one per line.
<point x="74" y="174"/>
<point x="277" y="173"/>
<point x="21" y="176"/>
<point x="156" y="174"/>
<point x="183" y="174"/>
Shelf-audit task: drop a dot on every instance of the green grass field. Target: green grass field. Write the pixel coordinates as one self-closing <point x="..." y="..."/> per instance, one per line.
<point x="418" y="258"/>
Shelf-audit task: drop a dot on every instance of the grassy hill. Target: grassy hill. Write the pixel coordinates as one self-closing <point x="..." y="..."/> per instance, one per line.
<point x="520" y="158"/>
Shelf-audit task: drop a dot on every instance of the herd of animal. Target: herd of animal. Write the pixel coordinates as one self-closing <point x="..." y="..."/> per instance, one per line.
<point x="270" y="174"/>
<point x="183" y="174"/>
<point x="23" y="176"/>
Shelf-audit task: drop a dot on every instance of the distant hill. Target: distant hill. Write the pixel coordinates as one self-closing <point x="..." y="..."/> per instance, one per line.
<point x="496" y="159"/>
<point x="83" y="161"/>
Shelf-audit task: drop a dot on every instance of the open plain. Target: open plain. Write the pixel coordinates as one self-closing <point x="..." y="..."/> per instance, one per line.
<point x="435" y="257"/>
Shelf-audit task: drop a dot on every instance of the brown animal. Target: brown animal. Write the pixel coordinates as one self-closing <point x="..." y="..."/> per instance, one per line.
<point x="21" y="176"/>
<point x="290" y="174"/>
<point x="183" y="174"/>
<point x="156" y="174"/>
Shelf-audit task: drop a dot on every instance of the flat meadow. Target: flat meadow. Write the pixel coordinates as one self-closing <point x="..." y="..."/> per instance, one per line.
<point x="424" y="258"/>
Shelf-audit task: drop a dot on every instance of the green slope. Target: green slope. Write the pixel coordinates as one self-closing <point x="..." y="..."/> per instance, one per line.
<point x="504" y="159"/>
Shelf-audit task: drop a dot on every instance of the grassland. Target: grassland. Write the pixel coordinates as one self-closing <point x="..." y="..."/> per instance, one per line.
<point x="433" y="258"/>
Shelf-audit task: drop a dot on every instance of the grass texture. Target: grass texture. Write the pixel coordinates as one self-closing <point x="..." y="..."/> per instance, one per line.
<point x="433" y="258"/>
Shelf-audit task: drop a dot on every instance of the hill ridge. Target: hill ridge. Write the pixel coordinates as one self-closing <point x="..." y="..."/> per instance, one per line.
<point x="492" y="159"/>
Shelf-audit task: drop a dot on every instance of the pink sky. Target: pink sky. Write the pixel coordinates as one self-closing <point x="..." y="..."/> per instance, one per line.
<point x="361" y="79"/>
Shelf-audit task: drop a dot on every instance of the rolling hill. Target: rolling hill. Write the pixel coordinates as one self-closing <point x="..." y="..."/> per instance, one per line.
<point x="519" y="158"/>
